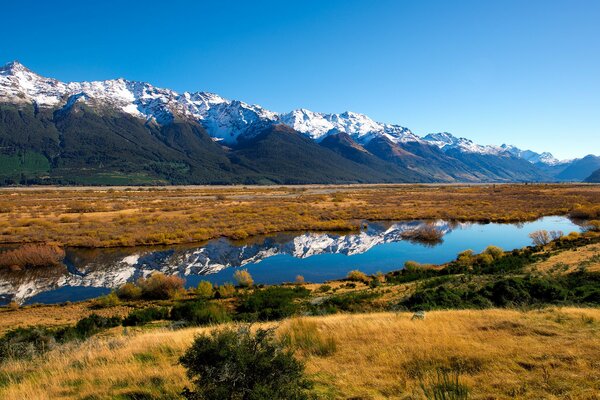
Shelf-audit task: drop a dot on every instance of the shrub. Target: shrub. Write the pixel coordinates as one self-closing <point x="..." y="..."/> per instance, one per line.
<point x="494" y="251"/>
<point x="225" y="291"/>
<point x="412" y="271"/>
<point x="357" y="276"/>
<point x="304" y="335"/>
<point x="89" y="326"/>
<point x="540" y="238"/>
<point x="200" y="313"/>
<point x="160" y="286"/>
<point x="32" y="255"/>
<point x="205" y="290"/>
<point x="485" y="259"/>
<point x="108" y="300"/>
<point x="26" y="342"/>
<point x="465" y="258"/>
<point x="243" y="278"/>
<point x="427" y="234"/>
<point x="129" y="291"/>
<point x="237" y="364"/>
<point x="323" y="288"/>
<point x="351" y="302"/>
<point x="271" y="303"/>
<point x="146" y="315"/>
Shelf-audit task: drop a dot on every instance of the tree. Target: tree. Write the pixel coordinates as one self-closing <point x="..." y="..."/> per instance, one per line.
<point x="236" y="364"/>
<point x="540" y="238"/>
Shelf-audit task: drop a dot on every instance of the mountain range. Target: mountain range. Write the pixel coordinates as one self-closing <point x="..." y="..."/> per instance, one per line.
<point x="127" y="132"/>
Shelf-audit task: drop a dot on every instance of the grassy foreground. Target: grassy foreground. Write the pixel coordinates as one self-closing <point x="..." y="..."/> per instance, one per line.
<point x="102" y="217"/>
<point x="500" y="354"/>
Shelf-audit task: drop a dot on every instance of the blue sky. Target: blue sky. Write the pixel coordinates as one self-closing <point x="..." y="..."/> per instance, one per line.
<point x="521" y="72"/>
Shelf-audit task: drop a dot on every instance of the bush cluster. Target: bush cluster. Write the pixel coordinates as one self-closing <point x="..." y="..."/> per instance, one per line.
<point x="271" y="303"/>
<point x="574" y="288"/>
<point x="32" y="341"/>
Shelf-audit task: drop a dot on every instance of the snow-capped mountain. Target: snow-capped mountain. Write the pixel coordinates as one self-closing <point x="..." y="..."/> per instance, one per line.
<point x="447" y="141"/>
<point x="224" y="119"/>
<point x="358" y="126"/>
<point x="533" y="157"/>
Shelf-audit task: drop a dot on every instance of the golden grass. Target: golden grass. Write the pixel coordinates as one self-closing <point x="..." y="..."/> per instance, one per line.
<point x="570" y="260"/>
<point x="101" y="217"/>
<point x="502" y="354"/>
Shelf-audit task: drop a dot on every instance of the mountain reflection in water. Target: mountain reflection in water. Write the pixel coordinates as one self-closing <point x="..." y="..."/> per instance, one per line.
<point x="318" y="256"/>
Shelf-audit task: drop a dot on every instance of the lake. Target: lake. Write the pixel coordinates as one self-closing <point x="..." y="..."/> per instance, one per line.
<point x="317" y="256"/>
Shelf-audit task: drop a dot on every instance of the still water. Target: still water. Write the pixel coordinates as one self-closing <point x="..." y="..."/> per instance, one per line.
<point x="317" y="256"/>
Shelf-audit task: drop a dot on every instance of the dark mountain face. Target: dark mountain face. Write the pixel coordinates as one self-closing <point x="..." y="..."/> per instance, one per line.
<point x="83" y="145"/>
<point x="580" y="169"/>
<point x="279" y="154"/>
<point x="79" y="146"/>
<point x="594" y="177"/>
<point x="499" y="168"/>
<point x="342" y="144"/>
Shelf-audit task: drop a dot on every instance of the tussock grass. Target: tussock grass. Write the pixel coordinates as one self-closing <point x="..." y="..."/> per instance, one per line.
<point x="501" y="354"/>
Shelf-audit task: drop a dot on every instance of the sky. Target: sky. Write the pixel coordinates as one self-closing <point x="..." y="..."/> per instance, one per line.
<point x="520" y="72"/>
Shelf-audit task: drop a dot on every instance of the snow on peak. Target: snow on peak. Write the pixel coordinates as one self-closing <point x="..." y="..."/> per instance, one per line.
<point x="358" y="126"/>
<point x="532" y="156"/>
<point x="447" y="141"/>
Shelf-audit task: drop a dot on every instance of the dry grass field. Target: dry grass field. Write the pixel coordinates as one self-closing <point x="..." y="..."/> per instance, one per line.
<point x="500" y="354"/>
<point x="100" y="217"/>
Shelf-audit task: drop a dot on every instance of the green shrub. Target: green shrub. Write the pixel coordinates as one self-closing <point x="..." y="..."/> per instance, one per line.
<point x="494" y="251"/>
<point x="145" y="315"/>
<point x="271" y="303"/>
<point x="205" y="290"/>
<point x="109" y="300"/>
<point x="323" y="289"/>
<point x="200" y="313"/>
<point x="33" y="341"/>
<point x="237" y="364"/>
<point x="24" y="343"/>
<point x="349" y="302"/>
<point x="225" y="291"/>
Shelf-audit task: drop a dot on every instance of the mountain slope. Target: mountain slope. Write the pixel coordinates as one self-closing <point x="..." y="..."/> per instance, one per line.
<point x="580" y="169"/>
<point x="279" y="154"/>
<point x="594" y="177"/>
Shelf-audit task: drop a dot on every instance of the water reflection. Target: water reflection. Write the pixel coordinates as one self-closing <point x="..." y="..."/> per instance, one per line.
<point x="318" y="256"/>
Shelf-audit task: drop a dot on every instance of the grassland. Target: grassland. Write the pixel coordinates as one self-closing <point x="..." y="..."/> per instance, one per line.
<point x="501" y="354"/>
<point x="104" y="217"/>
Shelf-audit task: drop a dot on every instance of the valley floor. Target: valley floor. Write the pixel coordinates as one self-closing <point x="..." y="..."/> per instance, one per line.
<point x="111" y="217"/>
